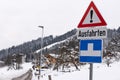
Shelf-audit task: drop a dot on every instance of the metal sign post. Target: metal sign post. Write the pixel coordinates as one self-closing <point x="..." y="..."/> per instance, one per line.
<point x="91" y="72"/>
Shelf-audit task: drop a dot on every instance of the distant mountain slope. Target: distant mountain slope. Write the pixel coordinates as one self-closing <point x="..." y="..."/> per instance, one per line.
<point x="32" y="46"/>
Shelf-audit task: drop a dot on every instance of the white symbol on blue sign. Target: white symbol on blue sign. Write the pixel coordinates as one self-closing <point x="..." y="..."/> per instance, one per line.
<point x="91" y="51"/>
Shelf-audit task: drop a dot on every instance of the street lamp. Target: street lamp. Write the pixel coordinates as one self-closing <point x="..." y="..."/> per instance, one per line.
<point x="40" y="55"/>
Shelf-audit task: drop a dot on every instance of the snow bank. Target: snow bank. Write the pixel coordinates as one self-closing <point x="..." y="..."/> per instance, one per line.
<point x="9" y="74"/>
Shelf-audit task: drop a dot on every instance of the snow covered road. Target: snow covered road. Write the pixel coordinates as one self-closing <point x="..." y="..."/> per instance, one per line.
<point x="26" y="76"/>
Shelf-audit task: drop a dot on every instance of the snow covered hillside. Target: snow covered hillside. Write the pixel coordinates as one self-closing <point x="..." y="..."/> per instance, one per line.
<point x="65" y="54"/>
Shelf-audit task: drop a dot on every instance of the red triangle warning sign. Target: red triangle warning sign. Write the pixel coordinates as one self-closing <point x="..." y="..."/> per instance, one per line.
<point x="92" y="17"/>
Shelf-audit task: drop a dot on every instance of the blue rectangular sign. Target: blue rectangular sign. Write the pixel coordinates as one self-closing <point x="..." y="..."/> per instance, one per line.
<point x="91" y="51"/>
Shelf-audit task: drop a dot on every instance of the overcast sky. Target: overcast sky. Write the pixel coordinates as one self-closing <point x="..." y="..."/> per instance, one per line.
<point x="19" y="19"/>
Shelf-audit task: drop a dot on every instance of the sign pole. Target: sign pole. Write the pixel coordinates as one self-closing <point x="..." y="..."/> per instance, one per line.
<point x="91" y="72"/>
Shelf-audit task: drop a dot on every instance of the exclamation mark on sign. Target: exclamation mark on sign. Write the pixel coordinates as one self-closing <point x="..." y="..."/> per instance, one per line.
<point x="91" y="16"/>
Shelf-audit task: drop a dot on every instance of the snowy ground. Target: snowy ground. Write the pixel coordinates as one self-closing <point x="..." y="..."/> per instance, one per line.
<point x="100" y="72"/>
<point x="9" y="74"/>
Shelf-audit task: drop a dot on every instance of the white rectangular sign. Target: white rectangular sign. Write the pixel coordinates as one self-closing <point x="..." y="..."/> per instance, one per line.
<point x="92" y="33"/>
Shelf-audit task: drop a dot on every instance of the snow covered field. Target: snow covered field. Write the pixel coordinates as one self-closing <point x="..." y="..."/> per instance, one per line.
<point x="100" y="72"/>
<point x="9" y="74"/>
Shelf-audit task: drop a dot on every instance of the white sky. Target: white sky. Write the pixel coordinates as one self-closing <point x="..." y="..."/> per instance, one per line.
<point x="19" y="18"/>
